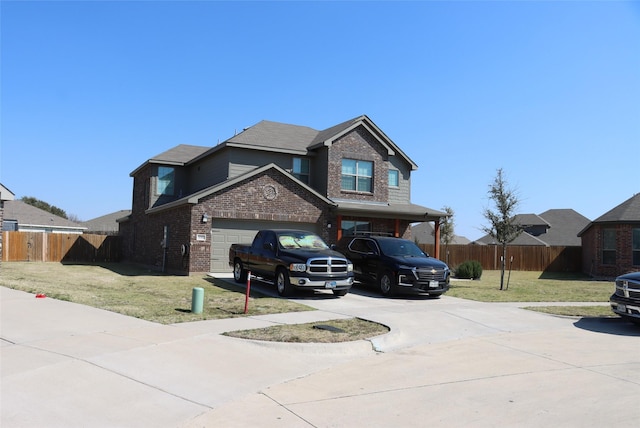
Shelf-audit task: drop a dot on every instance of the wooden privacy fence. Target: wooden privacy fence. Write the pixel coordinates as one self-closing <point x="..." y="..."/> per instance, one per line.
<point x="59" y="247"/>
<point x="526" y="258"/>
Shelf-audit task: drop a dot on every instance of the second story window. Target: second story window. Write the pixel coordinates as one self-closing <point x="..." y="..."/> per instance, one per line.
<point x="394" y="178"/>
<point x="166" y="180"/>
<point x="300" y="169"/>
<point x="357" y="175"/>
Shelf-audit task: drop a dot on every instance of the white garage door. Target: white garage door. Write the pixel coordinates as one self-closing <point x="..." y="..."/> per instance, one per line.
<point x="227" y="232"/>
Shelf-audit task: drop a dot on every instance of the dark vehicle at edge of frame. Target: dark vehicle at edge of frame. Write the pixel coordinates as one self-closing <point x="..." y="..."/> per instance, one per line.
<point x="625" y="300"/>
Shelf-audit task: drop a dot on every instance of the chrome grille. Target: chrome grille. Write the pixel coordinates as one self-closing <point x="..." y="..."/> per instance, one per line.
<point x="628" y="289"/>
<point x="431" y="274"/>
<point x="327" y="265"/>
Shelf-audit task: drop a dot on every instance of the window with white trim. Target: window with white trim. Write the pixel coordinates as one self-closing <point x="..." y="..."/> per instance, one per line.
<point x="394" y="178"/>
<point x="357" y="175"/>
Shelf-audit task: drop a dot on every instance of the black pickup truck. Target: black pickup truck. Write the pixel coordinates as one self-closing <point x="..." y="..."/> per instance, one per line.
<point x="293" y="259"/>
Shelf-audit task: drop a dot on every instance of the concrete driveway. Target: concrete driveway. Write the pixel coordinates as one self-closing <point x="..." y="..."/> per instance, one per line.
<point x="447" y="362"/>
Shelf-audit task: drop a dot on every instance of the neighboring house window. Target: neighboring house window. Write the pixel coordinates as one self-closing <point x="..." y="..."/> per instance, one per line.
<point x="394" y="178"/>
<point x="609" y="246"/>
<point x="301" y="169"/>
<point x="635" y="246"/>
<point x="166" y="179"/>
<point x="351" y="227"/>
<point x="357" y="175"/>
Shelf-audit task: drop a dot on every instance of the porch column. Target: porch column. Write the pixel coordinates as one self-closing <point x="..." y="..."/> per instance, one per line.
<point x="397" y="229"/>
<point x="339" y="227"/>
<point x="436" y="234"/>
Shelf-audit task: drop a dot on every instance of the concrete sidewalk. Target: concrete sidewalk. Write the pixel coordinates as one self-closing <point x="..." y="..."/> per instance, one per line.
<point x="446" y="362"/>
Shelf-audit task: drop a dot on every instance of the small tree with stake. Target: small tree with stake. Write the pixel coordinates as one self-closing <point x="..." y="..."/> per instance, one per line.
<point x="502" y="225"/>
<point x="447" y="230"/>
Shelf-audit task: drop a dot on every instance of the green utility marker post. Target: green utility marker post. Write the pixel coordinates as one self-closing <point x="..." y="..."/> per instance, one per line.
<point x="197" y="300"/>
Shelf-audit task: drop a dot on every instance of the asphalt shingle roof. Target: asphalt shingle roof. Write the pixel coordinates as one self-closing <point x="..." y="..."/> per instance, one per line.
<point x="628" y="211"/>
<point x="563" y="228"/>
<point x="28" y="215"/>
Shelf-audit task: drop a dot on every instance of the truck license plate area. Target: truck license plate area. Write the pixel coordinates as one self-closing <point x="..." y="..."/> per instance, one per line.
<point x="434" y="284"/>
<point x="330" y="284"/>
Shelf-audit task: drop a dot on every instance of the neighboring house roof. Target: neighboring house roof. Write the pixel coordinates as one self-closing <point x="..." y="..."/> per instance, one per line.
<point x="530" y="220"/>
<point x="423" y="233"/>
<point x="626" y="212"/>
<point x="32" y="218"/>
<point x="565" y="226"/>
<point x="107" y="223"/>
<point x="6" y="194"/>
<point x="561" y="229"/>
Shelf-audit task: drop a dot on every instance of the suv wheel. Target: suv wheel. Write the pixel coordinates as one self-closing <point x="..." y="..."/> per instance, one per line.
<point x="387" y="284"/>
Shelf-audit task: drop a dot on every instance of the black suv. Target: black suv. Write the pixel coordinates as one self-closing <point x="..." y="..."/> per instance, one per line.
<point x="394" y="264"/>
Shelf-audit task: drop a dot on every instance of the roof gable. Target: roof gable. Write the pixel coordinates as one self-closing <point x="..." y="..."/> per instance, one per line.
<point x="626" y="212"/>
<point x="196" y="197"/>
<point x="6" y="194"/>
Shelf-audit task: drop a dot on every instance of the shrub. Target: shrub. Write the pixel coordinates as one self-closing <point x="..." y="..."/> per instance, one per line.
<point x="470" y="269"/>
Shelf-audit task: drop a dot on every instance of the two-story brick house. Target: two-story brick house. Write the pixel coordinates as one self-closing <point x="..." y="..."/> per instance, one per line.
<point x="190" y="202"/>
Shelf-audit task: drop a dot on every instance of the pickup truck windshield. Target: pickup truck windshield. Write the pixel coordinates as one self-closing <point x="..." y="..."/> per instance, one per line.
<point x="308" y="241"/>
<point x="400" y="248"/>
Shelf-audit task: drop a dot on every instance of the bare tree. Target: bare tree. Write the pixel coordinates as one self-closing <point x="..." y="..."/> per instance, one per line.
<point x="447" y="230"/>
<point x="503" y="227"/>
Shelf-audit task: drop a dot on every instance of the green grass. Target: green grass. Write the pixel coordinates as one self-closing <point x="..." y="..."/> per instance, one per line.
<point x="576" y="311"/>
<point x="138" y="292"/>
<point x="532" y="287"/>
<point x="166" y="299"/>
<point x="539" y="287"/>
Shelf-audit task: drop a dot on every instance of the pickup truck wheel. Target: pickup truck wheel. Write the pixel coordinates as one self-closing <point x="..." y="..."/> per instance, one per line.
<point x="387" y="284"/>
<point x="282" y="283"/>
<point x="340" y="292"/>
<point x="239" y="272"/>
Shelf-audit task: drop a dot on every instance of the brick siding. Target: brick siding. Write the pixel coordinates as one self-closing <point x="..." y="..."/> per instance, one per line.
<point x="592" y="250"/>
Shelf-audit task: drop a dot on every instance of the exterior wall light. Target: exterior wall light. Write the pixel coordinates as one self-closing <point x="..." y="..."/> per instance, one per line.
<point x="205" y="218"/>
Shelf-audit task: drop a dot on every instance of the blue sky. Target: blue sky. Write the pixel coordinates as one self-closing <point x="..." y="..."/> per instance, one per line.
<point x="547" y="91"/>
